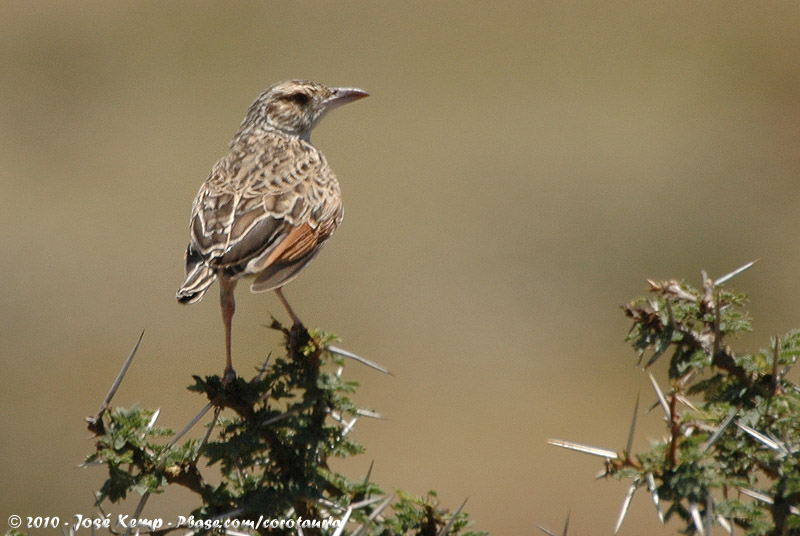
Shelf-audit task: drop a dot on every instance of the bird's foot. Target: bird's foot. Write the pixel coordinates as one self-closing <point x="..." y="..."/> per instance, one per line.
<point x="298" y="337"/>
<point x="229" y="376"/>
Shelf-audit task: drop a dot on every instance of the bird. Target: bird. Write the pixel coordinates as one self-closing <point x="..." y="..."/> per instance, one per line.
<point x="269" y="205"/>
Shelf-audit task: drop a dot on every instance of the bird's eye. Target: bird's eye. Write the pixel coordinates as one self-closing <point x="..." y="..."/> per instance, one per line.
<point x="299" y="98"/>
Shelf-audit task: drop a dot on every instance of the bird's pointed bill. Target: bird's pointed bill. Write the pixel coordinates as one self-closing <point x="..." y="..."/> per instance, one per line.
<point x="344" y="95"/>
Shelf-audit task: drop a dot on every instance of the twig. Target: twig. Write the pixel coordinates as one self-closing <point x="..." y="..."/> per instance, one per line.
<point x="96" y="423"/>
<point x="362" y="360"/>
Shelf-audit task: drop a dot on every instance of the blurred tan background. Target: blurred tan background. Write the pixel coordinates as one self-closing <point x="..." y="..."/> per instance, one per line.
<point x="517" y="173"/>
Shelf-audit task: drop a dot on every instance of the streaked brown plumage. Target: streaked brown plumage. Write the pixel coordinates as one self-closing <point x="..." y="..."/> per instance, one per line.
<point x="267" y="207"/>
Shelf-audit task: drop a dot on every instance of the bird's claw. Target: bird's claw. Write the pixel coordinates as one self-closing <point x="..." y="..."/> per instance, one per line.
<point x="228" y="377"/>
<point x="298" y="337"/>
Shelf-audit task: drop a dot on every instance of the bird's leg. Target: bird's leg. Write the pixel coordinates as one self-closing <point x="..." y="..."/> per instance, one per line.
<point x="295" y="319"/>
<point x="298" y="335"/>
<point x="226" y="286"/>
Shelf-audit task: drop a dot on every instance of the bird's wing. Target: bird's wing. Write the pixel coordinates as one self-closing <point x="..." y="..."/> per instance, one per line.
<point x="256" y="209"/>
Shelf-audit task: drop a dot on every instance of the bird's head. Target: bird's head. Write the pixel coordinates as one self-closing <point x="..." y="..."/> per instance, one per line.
<point x="296" y="106"/>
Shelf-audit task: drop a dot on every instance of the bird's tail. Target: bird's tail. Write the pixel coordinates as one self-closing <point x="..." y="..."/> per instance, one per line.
<point x="199" y="276"/>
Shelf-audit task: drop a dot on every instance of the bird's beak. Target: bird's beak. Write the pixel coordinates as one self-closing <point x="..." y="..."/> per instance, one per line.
<point x="343" y="95"/>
